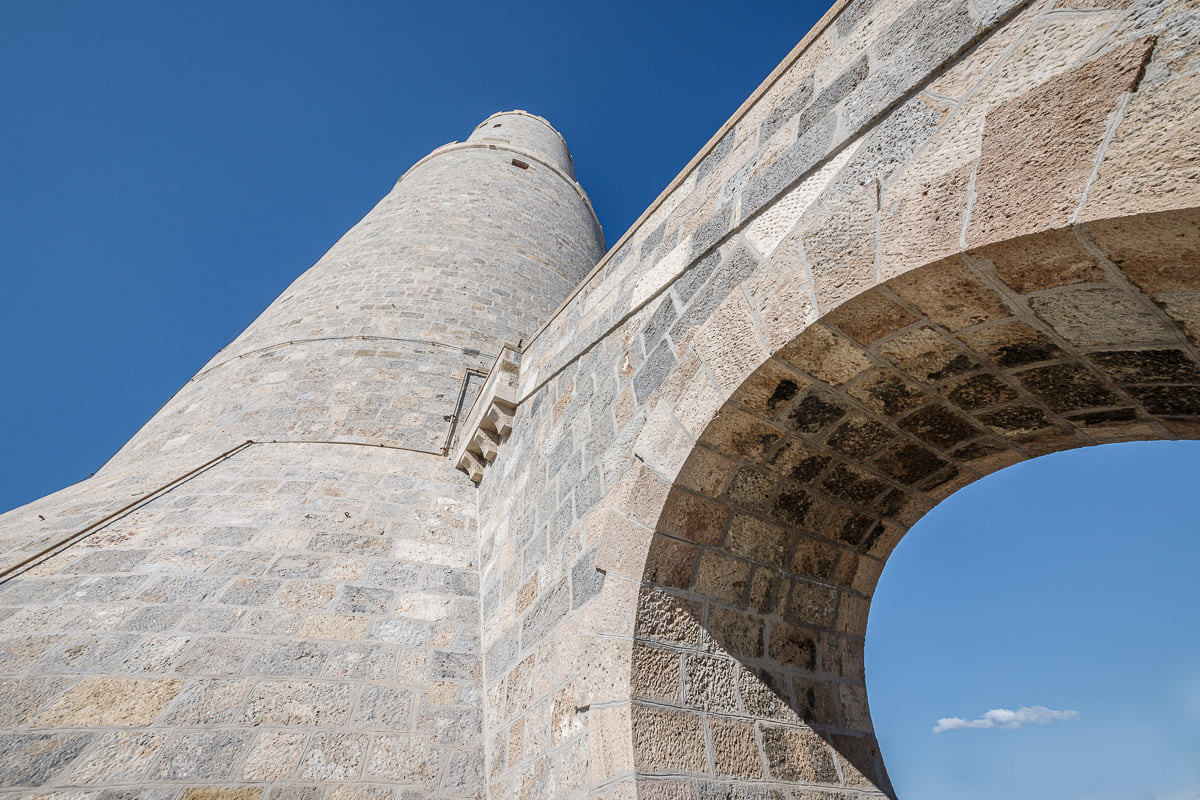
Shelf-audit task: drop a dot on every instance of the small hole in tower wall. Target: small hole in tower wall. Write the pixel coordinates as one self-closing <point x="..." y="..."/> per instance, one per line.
<point x="497" y="125"/>
<point x="519" y="164"/>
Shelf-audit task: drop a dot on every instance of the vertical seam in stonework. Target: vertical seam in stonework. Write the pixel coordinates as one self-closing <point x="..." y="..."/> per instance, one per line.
<point x="755" y="321"/>
<point x="971" y="197"/>
<point x="1114" y="122"/>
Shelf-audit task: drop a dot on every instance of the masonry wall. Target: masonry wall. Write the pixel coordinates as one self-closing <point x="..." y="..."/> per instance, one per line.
<point x="272" y="590"/>
<point x="895" y="136"/>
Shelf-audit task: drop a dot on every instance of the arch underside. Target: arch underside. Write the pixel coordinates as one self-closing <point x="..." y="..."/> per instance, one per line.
<point x="747" y="669"/>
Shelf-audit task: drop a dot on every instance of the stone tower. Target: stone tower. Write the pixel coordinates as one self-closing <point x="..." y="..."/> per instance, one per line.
<point x="275" y="583"/>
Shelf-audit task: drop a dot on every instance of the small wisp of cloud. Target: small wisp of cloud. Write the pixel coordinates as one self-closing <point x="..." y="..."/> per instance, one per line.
<point x="1007" y="718"/>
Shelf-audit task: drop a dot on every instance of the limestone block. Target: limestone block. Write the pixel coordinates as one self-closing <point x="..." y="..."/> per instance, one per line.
<point x="102" y="702"/>
<point x="1039" y="148"/>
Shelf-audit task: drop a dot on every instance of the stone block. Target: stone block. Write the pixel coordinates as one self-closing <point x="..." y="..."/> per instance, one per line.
<point x="666" y="741"/>
<point x="104" y="702"/>
<point x="1039" y="149"/>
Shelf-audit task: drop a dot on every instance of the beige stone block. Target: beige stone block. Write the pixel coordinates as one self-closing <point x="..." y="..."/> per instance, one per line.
<point x="566" y="716"/>
<point x="757" y="539"/>
<point x="1159" y="252"/>
<point x="110" y="702"/>
<point x="869" y="317"/>
<point x="924" y="225"/>
<point x="221" y="793"/>
<point x="666" y="741"/>
<point x="770" y="388"/>
<point x="722" y="578"/>
<point x="119" y="757"/>
<point x="664" y="790"/>
<point x="640" y="495"/>
<point x="305" y="594"/>
<point x="798" y="754"/>
<point x="442" y="693"/>
<point x="735" y="749"/>
<point x="274" y="755"/>
<point x="1184" y="308"/>
<point x="1152" y="162"/>
<point x="887" y="393"/>
<point x="924" y="355"/>
<point x="610" y="743"/>
<point x="666" y="618"/>
<point x="841" y="248"/>
<point x="405" y="760"/>
<point x="741" y="435"/>
<point x="1012" y="344"/>
<point x="656" y="674"/>
<point x="334" y="626"/>
<point x="690" y="517"/>
<point x="855" y="713"/>
<point x="826" y="355"/>
<point x="1043" y="261"/>
<point x="670" y="563"/>
<point x="605" y="666"/>
<point x="852" y="614"/>
<point x="1039" y="148"/>
<point x="964" y="75"/>
<point x="624" y="408"/>
<point x="1101" y="315"/>
<point x="862" y="766"/>
<point x="705" y="472"/>
<point x="698" y="404"/>
<point x="951" y="295"/>
<point x="623" y="542"/>
<point x="613" y="611"/>
<point x="729" y="344"/>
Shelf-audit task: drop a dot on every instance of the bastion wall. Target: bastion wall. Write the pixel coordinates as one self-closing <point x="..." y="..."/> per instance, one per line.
<point x="941" y="238"/>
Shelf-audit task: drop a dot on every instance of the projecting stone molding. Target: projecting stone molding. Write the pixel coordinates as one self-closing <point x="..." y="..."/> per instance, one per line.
<point x="491" y="416"/>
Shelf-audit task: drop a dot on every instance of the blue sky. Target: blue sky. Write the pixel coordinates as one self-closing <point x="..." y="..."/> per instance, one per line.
<point x="168" y="169"/>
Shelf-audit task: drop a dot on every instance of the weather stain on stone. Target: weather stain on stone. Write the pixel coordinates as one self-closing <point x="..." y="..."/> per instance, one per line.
<point x="792" y="508"/>
<point x="939" y="427"/>
<point x="980" y="391"/>
<point x="846" y="483"/>
<point x="859" y="438"/>
<point x="1148" y="366"/>
<point x="813" y="413"/>
<point x="1015" y="419"/>
<point x="783" y="394"/>
<point x="908" y="462"/>
<point x="1067" y="387"/>
<point x="1169" y="401"/>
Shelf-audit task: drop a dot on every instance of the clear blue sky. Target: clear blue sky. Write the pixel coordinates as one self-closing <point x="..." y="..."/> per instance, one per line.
<point x="167" y="169"/>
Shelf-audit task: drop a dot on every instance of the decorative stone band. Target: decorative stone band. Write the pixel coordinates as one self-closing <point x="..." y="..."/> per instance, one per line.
<point x="490" y="417"/>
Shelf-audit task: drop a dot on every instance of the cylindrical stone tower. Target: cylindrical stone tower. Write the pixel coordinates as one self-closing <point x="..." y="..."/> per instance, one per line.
<point x="272" y="588"/>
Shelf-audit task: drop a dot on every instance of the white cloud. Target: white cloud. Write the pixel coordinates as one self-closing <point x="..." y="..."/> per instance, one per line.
<point x="1006" y="718"/>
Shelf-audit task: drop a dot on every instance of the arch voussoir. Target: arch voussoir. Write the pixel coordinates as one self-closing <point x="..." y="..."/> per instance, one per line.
<point x="778" y="522"/>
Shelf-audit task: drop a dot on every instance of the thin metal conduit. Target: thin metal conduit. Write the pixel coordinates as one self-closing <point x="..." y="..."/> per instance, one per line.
<point x="8" y="573"/>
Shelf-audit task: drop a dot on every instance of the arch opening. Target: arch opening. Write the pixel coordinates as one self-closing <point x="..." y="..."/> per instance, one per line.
<point x="1064" y="582"/>
<point x="747" y="669"/>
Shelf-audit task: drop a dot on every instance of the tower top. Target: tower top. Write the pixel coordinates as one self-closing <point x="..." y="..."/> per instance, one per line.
<point x="527" y="132"/>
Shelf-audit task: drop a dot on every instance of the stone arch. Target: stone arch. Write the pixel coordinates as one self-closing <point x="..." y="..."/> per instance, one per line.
<point x="777" y="489"/>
